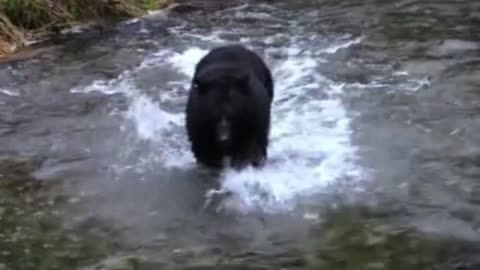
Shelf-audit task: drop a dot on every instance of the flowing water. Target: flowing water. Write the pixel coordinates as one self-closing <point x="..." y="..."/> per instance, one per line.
<point x="373" y="157"/>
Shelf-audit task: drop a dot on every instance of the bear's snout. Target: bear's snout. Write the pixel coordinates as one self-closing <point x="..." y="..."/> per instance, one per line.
<point x="223" y="130"/>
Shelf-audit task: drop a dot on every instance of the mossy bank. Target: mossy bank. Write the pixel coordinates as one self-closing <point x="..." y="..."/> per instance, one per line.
<point x="23" y="20"/>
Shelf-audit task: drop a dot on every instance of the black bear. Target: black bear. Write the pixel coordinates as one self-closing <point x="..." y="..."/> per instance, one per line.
<point x="228" y="108"/>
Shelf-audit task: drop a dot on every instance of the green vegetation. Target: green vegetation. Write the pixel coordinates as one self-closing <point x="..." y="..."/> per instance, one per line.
<point x="348" y="240"/>
<point x="31" y="233"/>
<point x="22" y="18"/>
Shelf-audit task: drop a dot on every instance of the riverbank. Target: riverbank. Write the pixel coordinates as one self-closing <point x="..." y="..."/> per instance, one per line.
<point x="25" y="21"/>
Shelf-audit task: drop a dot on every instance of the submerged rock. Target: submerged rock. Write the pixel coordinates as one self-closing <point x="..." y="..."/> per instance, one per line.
<point x="182" y="6"/>
<point x="117" y="263"/>
<point x="127" y="262"/>
<point x="452" y="47"/>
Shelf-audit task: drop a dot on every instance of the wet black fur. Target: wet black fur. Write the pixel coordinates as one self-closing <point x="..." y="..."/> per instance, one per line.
<point x="234" y="81"/>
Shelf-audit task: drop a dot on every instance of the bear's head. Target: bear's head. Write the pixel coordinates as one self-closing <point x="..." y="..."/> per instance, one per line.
<point x="225" y="96"/>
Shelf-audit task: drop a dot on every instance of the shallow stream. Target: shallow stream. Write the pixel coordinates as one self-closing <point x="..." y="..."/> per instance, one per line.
<point x="374" y="153"/>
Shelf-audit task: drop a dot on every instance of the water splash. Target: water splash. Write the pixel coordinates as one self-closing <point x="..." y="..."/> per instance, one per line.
<point x="9" y="92"/>
<point x="310" y="145"/>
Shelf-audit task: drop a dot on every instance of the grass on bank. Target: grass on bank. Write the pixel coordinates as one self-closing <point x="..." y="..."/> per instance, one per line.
<point x="19" y="19"/>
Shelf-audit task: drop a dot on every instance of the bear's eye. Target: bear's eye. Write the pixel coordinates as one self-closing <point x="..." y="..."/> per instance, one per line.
<point x="201" y="88"/>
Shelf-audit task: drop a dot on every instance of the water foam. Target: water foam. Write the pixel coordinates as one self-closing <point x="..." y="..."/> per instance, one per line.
<point x="148" y="116"/>
<point x="310" y="139"/>
<point x="149" y="119"/>
<point x="9" y="92"/>
<point x="310" y="145"/>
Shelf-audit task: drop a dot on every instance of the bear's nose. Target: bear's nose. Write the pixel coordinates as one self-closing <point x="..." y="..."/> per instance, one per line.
<point x="223" y="130"/>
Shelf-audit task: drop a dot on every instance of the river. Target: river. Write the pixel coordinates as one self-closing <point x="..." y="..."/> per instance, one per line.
<point x="373" y="161"/>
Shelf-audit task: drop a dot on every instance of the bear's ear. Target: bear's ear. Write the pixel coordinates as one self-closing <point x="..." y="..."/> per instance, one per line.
<point x="197" y="86"/>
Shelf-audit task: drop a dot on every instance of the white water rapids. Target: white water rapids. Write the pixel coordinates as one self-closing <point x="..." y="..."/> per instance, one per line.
<point x="310" y="147"/>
